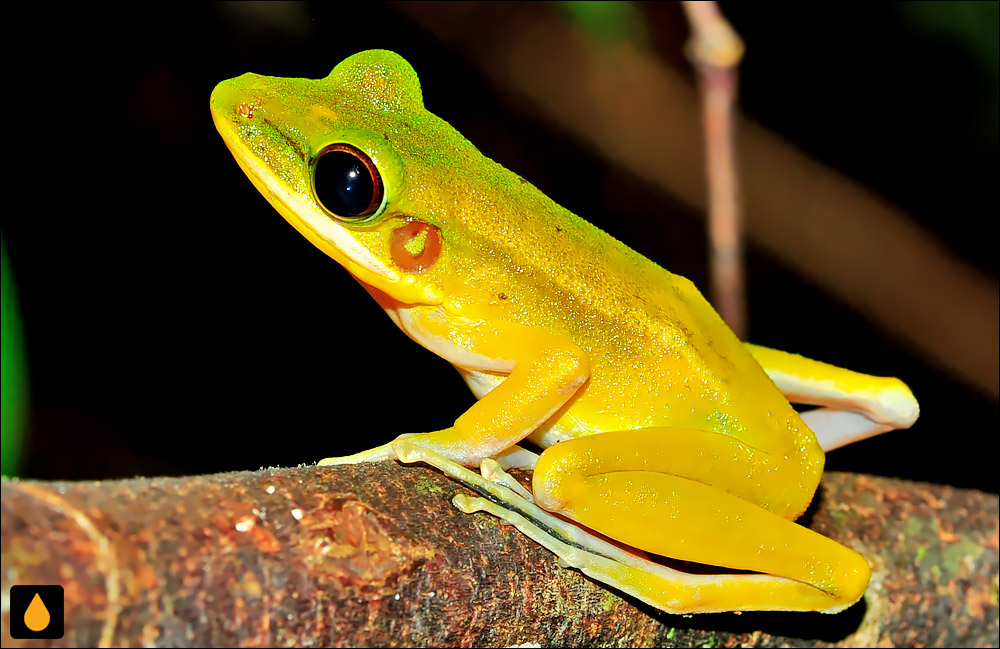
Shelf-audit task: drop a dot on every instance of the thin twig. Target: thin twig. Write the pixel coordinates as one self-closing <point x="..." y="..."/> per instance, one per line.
<point x="716" y="50"/>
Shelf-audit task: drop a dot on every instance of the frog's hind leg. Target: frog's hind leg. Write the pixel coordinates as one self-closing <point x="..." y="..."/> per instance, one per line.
<point x="856" y="406"/>
<point x="708" y="498"/>
<point x="665" y="588"/>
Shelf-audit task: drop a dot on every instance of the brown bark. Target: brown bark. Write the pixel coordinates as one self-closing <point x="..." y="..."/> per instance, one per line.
<point x="376" y="555"/>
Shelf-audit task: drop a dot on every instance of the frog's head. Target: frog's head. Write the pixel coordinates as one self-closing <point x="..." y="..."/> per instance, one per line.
<point x="330" y="155"/>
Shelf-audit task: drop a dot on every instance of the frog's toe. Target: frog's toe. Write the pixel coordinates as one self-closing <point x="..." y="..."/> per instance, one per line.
<point x="493" y="471"/>
<point x="382" y="453"/>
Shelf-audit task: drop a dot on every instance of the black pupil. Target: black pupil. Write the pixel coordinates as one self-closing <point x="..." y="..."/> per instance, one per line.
<point x="343" y="184"/>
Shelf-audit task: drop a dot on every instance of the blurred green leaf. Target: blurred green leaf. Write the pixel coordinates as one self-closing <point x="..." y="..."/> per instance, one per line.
<point x="973" y="27"/>
<point x="607" y="22"/>
<point x="13" y="383"/>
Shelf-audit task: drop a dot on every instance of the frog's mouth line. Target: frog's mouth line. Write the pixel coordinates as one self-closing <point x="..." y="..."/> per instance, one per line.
<point x="322" y="232"/>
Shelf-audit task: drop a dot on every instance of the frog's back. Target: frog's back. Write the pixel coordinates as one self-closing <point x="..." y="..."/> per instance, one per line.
<point x="659" y="352"/>
<point x="660" y="355"/>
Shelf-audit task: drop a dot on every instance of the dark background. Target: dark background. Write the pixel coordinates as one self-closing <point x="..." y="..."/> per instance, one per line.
<point x="175" y="324"/>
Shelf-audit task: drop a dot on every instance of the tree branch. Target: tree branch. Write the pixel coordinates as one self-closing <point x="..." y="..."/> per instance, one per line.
<point x="375" y="554"/>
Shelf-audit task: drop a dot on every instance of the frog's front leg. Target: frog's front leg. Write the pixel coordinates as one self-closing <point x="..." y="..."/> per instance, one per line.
<point x="855" y="406"/>
<point x="543" y="371"/>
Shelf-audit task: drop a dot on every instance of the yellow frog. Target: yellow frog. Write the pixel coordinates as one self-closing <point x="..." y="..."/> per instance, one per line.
<point x="660" y="429"/>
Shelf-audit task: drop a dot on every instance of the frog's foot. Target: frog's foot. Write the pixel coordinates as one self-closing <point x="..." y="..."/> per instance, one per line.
<point x="507" y="499"/>
<point x="855" y="406"/>
<point x="576" y="547"/>
<point x="382" y="453"/>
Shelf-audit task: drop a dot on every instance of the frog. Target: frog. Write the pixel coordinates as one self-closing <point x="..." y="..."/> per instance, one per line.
<point x="663" y="441"/>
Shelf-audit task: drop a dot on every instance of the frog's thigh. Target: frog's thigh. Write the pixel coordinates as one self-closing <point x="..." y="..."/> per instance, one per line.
<point x="857" y="405"/>
<point x="670" y="590"/>
<point x="543" y="371"/>
<point x="638" y="499"/>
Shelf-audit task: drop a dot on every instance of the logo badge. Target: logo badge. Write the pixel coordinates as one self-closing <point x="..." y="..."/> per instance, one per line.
<point x="36" y="612"/>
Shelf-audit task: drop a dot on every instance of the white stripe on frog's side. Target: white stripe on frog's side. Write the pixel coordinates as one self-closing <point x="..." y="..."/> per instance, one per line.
<point x="413" y="320"/>
<point x="348" y="252"/>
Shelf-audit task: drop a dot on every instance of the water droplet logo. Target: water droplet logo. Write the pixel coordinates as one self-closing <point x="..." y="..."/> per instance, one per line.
<point x="37" y="616"/>
<point x="36" y="612"/>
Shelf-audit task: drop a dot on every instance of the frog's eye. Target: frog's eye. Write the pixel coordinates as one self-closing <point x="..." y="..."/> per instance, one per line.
<point x="346" y="182"/>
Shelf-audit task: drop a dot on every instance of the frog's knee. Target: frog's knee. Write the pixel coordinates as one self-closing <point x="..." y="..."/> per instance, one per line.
<point x="852" y="583"/>
<point x="858" y="579"/>
<point x="557" y="476"/>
